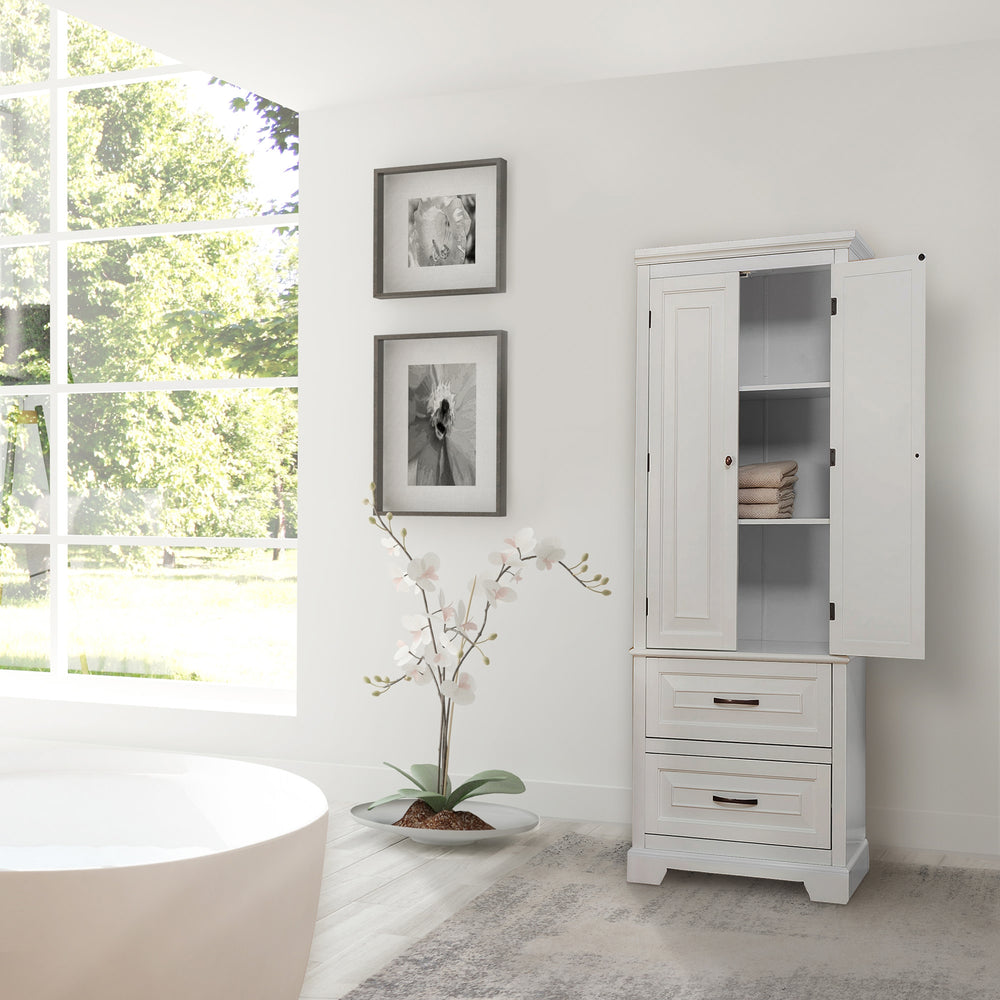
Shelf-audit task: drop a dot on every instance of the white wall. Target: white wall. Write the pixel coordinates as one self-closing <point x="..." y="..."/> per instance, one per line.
<point x="902" y="147"/>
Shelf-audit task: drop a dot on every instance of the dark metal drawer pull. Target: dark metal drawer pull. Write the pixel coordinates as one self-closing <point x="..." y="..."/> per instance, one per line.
<point x="736" y="701"/>
<point x="734" y="802"/>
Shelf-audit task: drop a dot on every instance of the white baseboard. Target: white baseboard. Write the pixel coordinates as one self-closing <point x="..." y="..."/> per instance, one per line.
<point x="345" y="783"/>
<point x="933" y="831"/>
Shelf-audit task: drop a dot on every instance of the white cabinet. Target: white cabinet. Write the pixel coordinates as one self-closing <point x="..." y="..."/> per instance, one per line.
<point x="749" y="687"/>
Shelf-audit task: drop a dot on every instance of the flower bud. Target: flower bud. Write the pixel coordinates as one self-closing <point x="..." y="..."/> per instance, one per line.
<point x="606" y="593"/>
<point x="367" y="680"/>
<point x="584" y="557"/>
<point x="371" y="520"/>
<point x="375" y="694"/>
<point x="371" y="486"/>
<point x="486" y="660"/>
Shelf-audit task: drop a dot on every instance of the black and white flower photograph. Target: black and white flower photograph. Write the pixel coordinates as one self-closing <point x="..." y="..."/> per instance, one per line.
<point x="442" y="230"/>
<point x="441" y="419"/>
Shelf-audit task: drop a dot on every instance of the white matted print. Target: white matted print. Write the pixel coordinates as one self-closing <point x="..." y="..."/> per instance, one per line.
<point x="440" y="229"/>
<point x="440" y="423"/>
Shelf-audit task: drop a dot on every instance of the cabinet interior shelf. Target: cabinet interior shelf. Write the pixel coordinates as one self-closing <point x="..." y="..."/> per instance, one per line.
<point x="784" y="520"/>
<point x="786" y="390"/>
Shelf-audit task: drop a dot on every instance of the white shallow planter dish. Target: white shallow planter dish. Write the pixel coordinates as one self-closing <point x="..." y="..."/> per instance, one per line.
<point x="507" y="820"/>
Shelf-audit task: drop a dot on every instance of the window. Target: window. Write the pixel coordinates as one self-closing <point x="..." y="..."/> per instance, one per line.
<point x="148" y="373"/>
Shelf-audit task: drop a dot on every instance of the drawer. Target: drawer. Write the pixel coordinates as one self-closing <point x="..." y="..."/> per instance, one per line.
<point x="746" y="701"/>
<point x="753" y="801"/>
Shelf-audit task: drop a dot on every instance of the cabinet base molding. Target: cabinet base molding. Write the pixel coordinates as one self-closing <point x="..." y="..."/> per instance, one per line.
<point x="823" y="883"/>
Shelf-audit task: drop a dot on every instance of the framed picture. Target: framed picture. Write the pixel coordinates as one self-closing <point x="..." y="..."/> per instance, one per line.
<point x="441" y="229"/>
<point x="440" y="423"/>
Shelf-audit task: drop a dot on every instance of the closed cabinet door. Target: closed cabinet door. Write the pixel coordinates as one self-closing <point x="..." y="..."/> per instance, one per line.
<point x="877" y="481"/>
<point x="693" y="436"/>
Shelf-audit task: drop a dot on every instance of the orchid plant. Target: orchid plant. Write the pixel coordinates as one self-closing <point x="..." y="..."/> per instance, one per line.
<point x="442" y="637"/>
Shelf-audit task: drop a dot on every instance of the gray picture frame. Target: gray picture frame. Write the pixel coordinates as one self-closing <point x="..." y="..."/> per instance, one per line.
<point x="398" y="271"/>
<point x="476" y="355"/>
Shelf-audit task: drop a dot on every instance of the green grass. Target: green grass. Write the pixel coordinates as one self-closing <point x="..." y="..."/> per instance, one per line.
<point x="206" y="618"/>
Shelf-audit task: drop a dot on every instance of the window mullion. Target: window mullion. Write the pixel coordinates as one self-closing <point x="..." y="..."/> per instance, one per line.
<point x="58" y="348"/>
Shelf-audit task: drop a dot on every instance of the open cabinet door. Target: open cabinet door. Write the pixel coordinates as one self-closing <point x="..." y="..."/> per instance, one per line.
<point x="877" y="479"/>
<point x="693" y="453"/>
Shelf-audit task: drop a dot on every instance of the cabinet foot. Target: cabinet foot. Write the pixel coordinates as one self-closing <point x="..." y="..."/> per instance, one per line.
<point x="823" y="884"/>
<point x="646" y="867"/>
<point x="838" y="884"/>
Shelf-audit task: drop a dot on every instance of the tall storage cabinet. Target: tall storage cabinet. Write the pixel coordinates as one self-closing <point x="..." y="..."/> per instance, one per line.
<point x="750" y="633"/>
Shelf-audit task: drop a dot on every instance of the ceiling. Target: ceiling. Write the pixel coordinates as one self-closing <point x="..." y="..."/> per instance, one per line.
<point x="311" y="54"/>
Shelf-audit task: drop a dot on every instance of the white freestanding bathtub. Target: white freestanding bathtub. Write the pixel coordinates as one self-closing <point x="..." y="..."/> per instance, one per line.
<point x="131" y="875"/>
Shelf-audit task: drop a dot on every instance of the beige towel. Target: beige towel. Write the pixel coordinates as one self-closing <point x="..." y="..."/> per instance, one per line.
<point x="772" y="474"/>
<point x="764" y="510"/>
<point x="767" y="494"/>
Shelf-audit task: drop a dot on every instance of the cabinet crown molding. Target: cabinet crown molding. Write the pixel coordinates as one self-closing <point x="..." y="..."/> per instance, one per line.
<point x="847" y="240"/>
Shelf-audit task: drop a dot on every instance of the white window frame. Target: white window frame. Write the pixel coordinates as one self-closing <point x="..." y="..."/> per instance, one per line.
<point x="58" y="684"/>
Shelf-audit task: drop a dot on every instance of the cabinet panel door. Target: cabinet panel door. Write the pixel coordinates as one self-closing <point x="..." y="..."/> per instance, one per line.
<point x="877" y="483"/>
<point x="693" y="428"/>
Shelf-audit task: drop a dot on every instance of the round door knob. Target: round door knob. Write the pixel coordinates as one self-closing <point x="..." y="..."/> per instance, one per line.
<point x="729" y="460"/>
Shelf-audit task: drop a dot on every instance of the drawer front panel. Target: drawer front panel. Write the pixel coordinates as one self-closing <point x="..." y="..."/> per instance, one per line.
<point x="743" y="701"/>
<point x="754" y="801"/>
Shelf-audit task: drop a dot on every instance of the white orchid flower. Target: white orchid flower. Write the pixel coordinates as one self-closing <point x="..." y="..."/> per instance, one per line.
<point x="548" y="553"/>
<point x="462" y="691"/>
<point x="496" y="592"/>
<point x="444" y="658"/>
<point x="416" y="625"/>
<point x="403" y="654"/>
<point x="508" y="557"/>
<point x="422" y="571"/>
<point x="392" y="545"/>
<point x="418" y="674"/>
<point x="399" y="578"/>
<point x="448" y="612"/>
<point x="523" y="541"/>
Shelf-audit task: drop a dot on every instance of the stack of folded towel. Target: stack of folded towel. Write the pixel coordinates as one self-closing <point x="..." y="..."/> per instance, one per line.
<point x="765" y="489"/>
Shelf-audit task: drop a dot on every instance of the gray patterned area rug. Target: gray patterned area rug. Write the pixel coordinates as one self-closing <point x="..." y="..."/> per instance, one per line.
<point x="567" y="926"/>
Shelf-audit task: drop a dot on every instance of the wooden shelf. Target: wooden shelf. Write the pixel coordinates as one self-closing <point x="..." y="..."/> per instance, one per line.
<point x="786" y="390"/>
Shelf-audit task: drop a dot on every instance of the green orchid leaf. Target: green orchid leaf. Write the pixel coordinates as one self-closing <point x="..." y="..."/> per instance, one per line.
<point x="486" y="783"/>
<point x="409" y="777"/>
<point x="435" y="801"/>
<point x="427" y="777"/>
<point x="403" y="793"/>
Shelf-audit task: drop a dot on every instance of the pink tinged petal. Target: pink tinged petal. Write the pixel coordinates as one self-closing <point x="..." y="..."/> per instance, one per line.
<point x="444" y="659"/>
<point x="423" y="571"/>
<point x="418" y="674"/>
<point x="548" y="553"/>
<point x="524" y="541"/>
<point x="462" y="692"/>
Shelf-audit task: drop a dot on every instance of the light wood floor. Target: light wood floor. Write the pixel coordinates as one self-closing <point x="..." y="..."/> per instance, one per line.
<point x="381" y="892"/>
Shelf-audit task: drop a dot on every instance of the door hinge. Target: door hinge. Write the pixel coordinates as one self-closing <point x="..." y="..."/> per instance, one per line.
<point x="647" y="607"/>
<point x="833" y="307"/>
<point x="651" y="319"/>
<point x="647" y="462"/>
<point x="833" y="612"/>
<point x="833" y="457"/>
